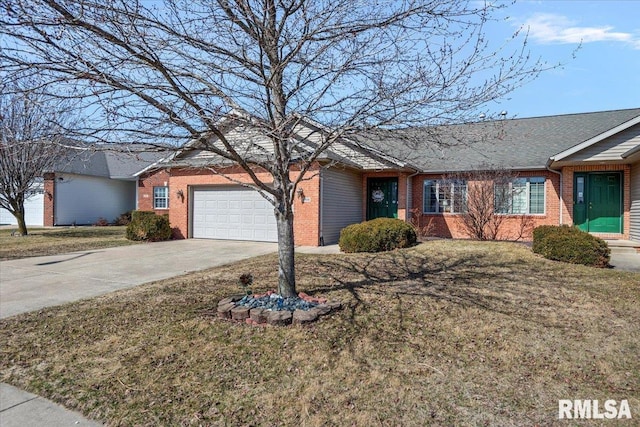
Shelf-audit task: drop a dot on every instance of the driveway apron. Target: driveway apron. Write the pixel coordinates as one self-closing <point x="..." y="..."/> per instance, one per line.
<point x="30" y="284"/>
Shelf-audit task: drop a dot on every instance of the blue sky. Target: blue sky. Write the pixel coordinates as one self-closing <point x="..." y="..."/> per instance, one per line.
<point x="604" y="74"/>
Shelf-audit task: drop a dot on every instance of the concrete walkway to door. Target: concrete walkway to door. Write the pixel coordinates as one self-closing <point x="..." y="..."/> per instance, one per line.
<point x="33" y="283"/>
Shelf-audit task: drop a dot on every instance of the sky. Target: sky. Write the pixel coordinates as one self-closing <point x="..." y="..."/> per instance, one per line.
<point x="604" y="72"/>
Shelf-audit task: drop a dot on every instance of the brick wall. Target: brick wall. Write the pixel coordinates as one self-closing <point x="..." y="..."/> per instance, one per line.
<point x="158" y="178"/>
<point x="450" y="225"/>
<point x="49" y="199"/>
<point x="184" y="180"/>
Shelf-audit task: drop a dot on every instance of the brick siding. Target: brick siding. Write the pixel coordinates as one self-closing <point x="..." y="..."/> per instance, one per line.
<point x="450" y="225"/>
<point x="49" y="199"/>
<point x="184" y="180"/>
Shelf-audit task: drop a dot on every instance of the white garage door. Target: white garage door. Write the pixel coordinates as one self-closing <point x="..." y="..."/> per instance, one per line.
<point x="33" y="212"/>
<point x="233" y="213"/>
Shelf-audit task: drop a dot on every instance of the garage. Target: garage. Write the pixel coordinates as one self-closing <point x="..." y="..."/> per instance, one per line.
<point x="232" y="213"/>
<point x="33" y="211"/>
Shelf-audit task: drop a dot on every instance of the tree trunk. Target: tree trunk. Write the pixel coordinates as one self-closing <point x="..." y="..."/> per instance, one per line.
<point x="286" y="252"/>
<point x="22" y="225"/>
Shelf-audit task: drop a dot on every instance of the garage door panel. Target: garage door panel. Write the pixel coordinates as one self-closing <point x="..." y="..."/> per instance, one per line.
<point x="233" y="213"/>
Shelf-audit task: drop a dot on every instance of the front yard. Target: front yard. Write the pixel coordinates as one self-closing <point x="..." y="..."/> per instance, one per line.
<point x="447" y="333"/>
<point x="54" y="241"/>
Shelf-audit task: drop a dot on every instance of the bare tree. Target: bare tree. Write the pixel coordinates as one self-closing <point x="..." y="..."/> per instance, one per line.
<point x="169" y="70"/>
<point x="488" y="199"/>
<point x="29" y="145"/>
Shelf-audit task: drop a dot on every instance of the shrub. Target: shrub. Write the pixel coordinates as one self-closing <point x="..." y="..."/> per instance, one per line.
<point x="570" y="244"/>
<point x="123" y="219"/>
<point x="101" y="222"/>
<point x="381" y="234"/>
<point x="148" y="226"/>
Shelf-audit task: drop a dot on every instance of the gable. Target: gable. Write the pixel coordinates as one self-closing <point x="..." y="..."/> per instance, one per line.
<point x="612" y="148"/>
<point x="252" y="144"/>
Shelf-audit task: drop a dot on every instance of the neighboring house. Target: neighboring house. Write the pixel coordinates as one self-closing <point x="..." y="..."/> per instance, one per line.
<point x="581" y="169"/>
<point x="33" y="209"/>
<point x="86" y="186"/>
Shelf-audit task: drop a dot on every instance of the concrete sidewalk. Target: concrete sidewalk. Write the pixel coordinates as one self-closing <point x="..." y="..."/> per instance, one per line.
<point x="624" y="255"/>
<point x="21" y="409"/>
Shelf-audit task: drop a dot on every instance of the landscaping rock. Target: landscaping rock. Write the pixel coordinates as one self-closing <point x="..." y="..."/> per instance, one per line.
<point x="322" y="309"/>
<point x="259" y="315"/>
<point x="300" y="317"/>
<point x="240" y="313"/>
<point x="224" y="310"/>
<point x="279" y="318"/>
<point x="334" y="305"/>
<point x="227" y="300"/>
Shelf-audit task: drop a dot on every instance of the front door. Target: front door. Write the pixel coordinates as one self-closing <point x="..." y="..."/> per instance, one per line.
<point x="597" y="204"/>
<point x="382" y="198"/>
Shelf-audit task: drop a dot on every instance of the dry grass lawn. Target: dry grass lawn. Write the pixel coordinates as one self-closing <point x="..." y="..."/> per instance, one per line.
<point x="447" y="333"/>
<point x="53" y="241"/>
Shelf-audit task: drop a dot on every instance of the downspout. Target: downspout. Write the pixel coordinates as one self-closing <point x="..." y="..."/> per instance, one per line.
<point x="561" y="187"/>
<point x="409" y="195"/>
<point x="320" y="202"/>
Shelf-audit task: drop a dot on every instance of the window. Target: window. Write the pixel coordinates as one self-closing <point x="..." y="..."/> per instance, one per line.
<point x="444" y="196"/>
<point x="520" y="196"/>
<point x="160" y="197"/>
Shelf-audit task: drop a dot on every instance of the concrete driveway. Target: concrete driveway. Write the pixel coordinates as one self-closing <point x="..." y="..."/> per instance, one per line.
<point x="33" y="283"/>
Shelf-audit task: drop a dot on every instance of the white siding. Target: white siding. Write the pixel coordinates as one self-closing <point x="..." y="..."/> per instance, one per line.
<point x="634" y="229"/>
<point x="82" y="199"/>
<point x="33" y="211"/>
<point x="611" y="148"/>
<point x="341" y="202"/>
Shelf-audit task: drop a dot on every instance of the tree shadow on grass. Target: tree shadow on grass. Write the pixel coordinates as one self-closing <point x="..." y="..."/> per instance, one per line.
<point x="515" y="288"/>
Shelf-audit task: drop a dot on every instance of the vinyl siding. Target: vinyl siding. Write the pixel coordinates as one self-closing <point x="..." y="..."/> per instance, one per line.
<point x="246" y="140"/>
<point x="82" y="199"/>
<point x="634" y="228"/>
<point x="341" y="202"/>
<point x="611" y="148"/>
<point x="33" y="210"/>
<point x="251" y="143"/>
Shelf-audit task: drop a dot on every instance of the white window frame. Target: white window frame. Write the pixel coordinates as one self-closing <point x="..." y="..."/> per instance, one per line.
<point x="158" y="198"/>
<point x="526" y="190"/>
<point x="446" y="205"/>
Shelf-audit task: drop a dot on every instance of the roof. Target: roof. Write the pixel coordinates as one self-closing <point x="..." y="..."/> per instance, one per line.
<point x="116" y="162"/>
<point x="526" y="143"/>
<point x="250" y="140"/>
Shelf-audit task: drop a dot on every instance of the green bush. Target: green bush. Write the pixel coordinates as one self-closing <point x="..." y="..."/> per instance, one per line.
<point x="148" y="226"/>
<point x="570" y="244"/>
<point x="381" y="234"/>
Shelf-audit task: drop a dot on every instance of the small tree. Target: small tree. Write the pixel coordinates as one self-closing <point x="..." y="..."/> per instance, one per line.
<point x="29" y="145"/>
<point x="488" y="200"/>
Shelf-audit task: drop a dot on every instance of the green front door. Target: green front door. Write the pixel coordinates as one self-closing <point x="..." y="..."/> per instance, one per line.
<point x="382" y="198"/>
<point x="597" y="204"/>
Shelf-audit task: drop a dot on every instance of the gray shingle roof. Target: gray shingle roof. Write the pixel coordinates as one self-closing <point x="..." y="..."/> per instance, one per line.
<point x="120" y="162"/>
<point x="526" y="143"/>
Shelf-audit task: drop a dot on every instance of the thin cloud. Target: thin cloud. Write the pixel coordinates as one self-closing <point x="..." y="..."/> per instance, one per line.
<point x="549" y="29"/>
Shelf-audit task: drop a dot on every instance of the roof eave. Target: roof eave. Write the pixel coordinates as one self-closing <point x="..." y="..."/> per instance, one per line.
<point x="631" y="152"/>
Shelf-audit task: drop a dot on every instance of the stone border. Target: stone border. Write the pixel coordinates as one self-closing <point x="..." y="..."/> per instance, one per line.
<point x="227" y="309"/>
